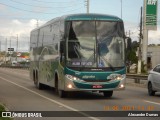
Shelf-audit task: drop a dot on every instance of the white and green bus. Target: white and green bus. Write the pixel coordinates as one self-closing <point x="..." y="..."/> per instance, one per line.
<point x="79" y="52"/>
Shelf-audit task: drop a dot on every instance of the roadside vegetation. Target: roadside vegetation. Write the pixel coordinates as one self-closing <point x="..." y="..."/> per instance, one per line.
<point x="132" y="58"/>
<point x="3" y="109"/>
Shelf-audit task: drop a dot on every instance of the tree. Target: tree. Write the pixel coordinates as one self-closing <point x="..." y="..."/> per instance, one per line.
<point x="131" y="54"/>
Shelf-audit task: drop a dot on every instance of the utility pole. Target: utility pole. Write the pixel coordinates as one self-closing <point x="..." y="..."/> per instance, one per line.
<point x="10" y="51"/>
<point x="17" y="47"/>
<point x="37" y="23"/>
<point x="0" y="46"/>
<point x="28" y="46"/>
<point x="0" y="49"/>
<point x="128" y="33"/>
<point x="87" y="5"/>
<point x="6" y="51"/>
<point x="139" y="51"/>
<point x="145" y="35"/>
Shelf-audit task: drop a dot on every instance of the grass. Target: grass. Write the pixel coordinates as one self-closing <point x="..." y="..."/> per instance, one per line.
<point x="3" y="109"/>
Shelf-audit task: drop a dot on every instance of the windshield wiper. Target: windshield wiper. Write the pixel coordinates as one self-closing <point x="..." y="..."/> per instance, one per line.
<point x="110" y="66"/>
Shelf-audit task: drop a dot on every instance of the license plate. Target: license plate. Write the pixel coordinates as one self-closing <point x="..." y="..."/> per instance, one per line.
<point x="97" y="86"/>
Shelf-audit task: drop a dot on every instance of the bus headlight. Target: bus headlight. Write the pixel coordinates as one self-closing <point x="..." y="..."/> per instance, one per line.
<point x="73" y="78"/>
<point x="119" y="77"/>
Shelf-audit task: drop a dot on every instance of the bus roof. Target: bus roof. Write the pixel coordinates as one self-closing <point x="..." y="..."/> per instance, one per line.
<point x="83" y="16"/>
<point x="92" y="16"/>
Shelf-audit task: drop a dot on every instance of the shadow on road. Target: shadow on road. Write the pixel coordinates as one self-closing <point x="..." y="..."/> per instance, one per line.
<point x="80" y="95"/>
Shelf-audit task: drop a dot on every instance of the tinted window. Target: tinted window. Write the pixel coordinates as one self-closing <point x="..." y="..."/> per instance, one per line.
<point x="157" y="69"/>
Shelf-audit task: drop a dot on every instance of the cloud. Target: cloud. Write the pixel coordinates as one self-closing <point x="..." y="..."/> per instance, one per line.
<point x="3" y="8"/>
<point x="153" y="36"/>
<point x="11" y="28"/>
<point x="16" y="22"/>
<point x="132" y="30"/>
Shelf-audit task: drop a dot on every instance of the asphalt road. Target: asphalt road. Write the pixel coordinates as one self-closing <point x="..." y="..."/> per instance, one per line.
<point x="18" y="93"/>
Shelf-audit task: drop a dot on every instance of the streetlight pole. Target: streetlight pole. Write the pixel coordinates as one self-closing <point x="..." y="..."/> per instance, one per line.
<point x="121" y="9"/>
<point x="87" y="5"/>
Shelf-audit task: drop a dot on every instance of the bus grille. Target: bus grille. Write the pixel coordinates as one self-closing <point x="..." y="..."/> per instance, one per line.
<point x="97" y="80"/>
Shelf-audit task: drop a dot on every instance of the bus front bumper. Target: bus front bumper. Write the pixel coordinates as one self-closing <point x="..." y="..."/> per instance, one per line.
<point x="80" y="85"/>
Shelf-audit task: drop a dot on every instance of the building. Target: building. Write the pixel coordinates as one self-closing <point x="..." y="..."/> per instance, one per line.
<point x="153" y="56"/>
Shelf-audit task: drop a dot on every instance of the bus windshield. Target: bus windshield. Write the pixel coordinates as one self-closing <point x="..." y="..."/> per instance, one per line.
<point x="95" y="44"/>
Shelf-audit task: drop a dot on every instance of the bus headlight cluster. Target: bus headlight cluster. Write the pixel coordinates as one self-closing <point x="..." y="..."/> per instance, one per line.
<point x="73" y="78"/>
<point x="116" y="77"/>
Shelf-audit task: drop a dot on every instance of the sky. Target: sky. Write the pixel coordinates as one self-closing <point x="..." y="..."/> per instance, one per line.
<point x="19" y="17"/>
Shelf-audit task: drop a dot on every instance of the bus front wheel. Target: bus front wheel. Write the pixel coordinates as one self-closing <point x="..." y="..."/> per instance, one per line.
<point x="62" y="93"/>
<point x="107" y="93"/>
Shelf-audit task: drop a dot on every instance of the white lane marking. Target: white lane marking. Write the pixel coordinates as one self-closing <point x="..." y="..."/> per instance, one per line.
<point x="152" y="102"/>
<point x="51" y="100"/>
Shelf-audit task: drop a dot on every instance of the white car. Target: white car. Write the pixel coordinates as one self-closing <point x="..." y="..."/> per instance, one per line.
<point x="154" y="80"/>
<point x="14" y="63"/>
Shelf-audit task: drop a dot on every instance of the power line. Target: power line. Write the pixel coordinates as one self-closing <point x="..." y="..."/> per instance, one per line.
<point x="48" y="1"/>
<point x="49" y="7"/>
<point x="37" y="11"/>
<point x="13" y="17"/>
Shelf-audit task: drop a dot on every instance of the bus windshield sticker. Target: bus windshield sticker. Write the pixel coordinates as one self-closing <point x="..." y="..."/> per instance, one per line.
<point x="87" y="63"/>
<point x="76" y="63"/>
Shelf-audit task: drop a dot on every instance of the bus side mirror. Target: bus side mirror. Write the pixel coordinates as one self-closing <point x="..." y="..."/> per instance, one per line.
<point x="62" y="47"/>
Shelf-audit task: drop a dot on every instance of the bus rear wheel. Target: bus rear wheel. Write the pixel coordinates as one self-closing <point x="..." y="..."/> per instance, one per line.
<point x="38" y="85"/>
<point x="107" y="93"/>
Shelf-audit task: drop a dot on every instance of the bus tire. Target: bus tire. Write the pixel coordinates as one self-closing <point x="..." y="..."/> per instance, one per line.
<point x="34" y="77"/>
<point x="61" y="93"/>
<point x="38" y="85"/>
<point x="108" y="93"/>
